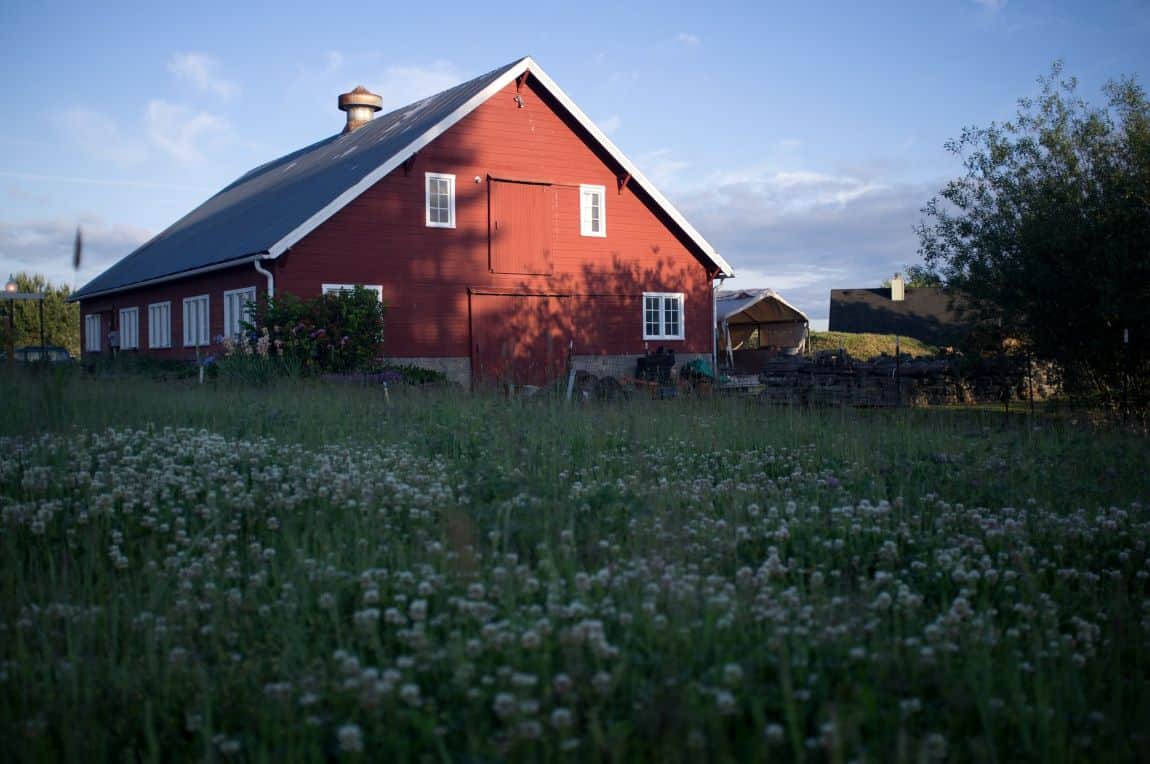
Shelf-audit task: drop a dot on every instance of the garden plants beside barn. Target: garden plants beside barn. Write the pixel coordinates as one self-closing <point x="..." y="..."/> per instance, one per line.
<point x="308" y="572"/>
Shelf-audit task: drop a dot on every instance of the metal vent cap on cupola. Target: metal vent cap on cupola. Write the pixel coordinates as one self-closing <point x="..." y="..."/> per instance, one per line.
<point x="360" y="105"/>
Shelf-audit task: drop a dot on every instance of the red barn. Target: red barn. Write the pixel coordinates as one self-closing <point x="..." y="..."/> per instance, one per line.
<point x="508" y="236"/>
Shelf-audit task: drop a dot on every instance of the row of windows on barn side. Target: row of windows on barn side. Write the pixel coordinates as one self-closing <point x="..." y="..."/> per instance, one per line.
<point x="662" y="319"/>
<point x="125" y="334"/>
<point x="439" y="201"/>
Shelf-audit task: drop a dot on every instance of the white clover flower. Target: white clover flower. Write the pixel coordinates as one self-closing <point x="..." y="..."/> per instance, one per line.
<point x="327" y="601"/>
<point x="504" y="705"/>
<point x="910" y="706"/>
<point x="774" y="733"/>
<point x="409" y="694"/>
<point x="350" y="738"/>
<point x="725" y="702"/>
<point x="732" y="674"/>
<point x="562" y="718"/>
<point x="418" y="610"/>
<point x="562" y="684"/>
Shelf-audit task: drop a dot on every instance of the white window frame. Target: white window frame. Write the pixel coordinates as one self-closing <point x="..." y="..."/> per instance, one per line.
<point x="330" y="288"/>
<point x="586" y="195"/>
<point x="239" y="305"/>
<point x="427" y="178"/>
<point x="198" y="331"/>
<point x="93" y="328"/>
<point x="129" y="328"/>
<point x="663" y="297"/>
<point x="160" y="324"/>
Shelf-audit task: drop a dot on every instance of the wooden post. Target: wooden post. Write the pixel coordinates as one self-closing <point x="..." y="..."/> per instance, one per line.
<point x="10" y="344"/>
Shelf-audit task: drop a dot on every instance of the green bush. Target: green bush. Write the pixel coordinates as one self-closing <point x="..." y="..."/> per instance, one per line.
<point x="337" y="332"/>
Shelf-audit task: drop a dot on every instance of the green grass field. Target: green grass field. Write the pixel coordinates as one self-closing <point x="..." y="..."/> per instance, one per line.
<point x="309" y="572"/>
<point x="864" y="346"/>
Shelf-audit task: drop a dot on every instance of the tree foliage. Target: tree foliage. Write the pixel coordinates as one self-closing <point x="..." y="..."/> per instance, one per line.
<point x="1048" y="233"/>
<point x="915" y="276"/>
<point x="61" y="318"/>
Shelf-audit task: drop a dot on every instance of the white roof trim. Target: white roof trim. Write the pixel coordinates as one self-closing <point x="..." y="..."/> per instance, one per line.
<point x="636" y="175"/>
<point x="243" y="260"/>
<point x="526" y="64"/>
<point x="762" y="294"/>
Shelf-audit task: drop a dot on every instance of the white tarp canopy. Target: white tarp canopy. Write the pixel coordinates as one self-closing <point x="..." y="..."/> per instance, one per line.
<point x="741" y="314"/>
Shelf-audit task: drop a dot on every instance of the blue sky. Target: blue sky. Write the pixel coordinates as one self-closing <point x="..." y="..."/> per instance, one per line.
<point x="801" y="139"/>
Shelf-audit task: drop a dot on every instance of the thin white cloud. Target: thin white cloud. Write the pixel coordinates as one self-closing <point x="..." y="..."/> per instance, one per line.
<point x="687" y="40"/>
<point x="662" y="167"/>
<point x="183" y="133"/>
<point x="610" y="124"/>
<point x="203" y="73"/>
<point x="992" y="6"/>
<point x="623" y="77"/>
<point x="85" y="181"/>
<point x="404" y="84"/>
<point x="99" y="136"/>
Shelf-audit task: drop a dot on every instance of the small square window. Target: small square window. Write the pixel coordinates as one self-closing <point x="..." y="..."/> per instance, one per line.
<point x="440" y="190"/>
<point x="592" y="216"/>
<point x="663" y="316"/>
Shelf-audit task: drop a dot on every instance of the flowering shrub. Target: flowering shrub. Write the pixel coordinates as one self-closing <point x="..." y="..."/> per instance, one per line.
<point x="336" y="332"/>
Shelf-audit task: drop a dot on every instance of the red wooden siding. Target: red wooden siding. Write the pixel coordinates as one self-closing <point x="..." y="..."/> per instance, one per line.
<point x="381" y="238"/>
<point x="212" y="284"/>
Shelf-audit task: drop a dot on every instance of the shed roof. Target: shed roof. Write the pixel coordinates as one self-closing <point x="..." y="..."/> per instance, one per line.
<point x="754" y="306"/>
<point x="270" y="208"/>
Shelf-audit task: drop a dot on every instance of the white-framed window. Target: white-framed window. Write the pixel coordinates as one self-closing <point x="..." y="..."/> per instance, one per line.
<point x="92" y="331"/>
<point x="196" y="317"/>
<point x="440" y="200"/>
<point x="377" y="288"/>
<point x="160" y="325"/>
<point x="592" y="213"/>
<point x="239" y="306"/>
<point x="129" y="328"/>
<point x="663" y="316"/>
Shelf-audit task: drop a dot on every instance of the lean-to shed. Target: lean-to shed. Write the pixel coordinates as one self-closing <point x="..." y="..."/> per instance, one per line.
<point x="754" y="324"/>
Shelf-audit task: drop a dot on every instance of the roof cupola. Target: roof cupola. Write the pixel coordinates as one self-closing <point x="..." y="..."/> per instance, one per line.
<point x="360" y="105"/>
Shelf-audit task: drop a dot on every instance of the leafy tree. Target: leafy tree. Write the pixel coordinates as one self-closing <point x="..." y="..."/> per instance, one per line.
<point x="918" y="276"/>
<point x="61" y="318"/>
<point x="1047" y="233"/>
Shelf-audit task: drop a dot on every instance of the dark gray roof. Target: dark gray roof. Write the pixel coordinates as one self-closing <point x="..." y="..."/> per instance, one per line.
<point x="929" y="314"/>
<point x="269" y="203"/>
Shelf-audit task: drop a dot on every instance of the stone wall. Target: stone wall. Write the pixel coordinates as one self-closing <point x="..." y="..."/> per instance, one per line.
<point x="835" y="379"/>
<point x="457" y="370"/>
